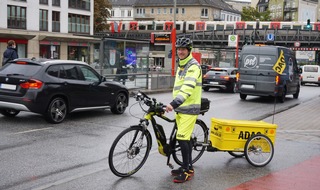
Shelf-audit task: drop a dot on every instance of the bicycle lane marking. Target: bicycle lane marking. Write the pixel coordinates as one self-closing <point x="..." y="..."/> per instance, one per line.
<point x="304" y="175"/>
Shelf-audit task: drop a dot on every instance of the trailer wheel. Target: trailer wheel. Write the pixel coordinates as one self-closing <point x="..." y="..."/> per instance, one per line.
<point x="259" y="150"/>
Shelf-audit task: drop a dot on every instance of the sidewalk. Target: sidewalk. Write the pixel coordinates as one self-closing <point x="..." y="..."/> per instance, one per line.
<point x="300" y="123"/>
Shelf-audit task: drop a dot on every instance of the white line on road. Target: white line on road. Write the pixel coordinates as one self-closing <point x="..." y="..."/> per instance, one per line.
<point x="30" y="131"/>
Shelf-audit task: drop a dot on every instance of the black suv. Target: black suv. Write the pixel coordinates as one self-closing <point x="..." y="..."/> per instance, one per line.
<point x="55" y="88"/>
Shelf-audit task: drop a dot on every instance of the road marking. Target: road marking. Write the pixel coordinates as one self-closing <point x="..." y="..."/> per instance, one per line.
<point x="30" y="131"/>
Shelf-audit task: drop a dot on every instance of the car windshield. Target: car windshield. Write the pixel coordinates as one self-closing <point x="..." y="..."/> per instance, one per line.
<point x="20" y="69"/>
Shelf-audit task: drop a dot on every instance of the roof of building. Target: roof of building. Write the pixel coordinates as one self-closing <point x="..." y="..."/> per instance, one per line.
<point x="122" y="2"/>
<point x="220" y="4"/>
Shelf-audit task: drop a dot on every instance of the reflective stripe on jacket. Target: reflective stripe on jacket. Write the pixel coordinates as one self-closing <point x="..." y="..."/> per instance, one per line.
<point x="188" y="87"/>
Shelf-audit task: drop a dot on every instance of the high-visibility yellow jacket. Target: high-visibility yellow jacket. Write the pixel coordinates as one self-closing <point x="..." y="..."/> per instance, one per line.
<point x="187" y="87"/>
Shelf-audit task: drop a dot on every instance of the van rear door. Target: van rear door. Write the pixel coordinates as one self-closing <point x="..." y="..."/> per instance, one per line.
<point x="265" y="74"/>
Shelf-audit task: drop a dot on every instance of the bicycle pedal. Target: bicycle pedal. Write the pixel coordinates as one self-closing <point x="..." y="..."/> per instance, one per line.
<point x="170" y="165"/>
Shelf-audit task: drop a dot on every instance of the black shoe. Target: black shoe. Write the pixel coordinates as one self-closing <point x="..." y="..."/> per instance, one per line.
<point x="180" y="171"/>
<point x="183" y="177"/>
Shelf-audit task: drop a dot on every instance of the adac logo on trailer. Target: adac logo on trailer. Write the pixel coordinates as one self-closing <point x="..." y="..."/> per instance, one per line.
<point x="250" y="61"/>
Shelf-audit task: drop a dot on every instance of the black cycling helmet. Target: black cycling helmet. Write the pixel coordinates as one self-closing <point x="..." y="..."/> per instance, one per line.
<point x="184" y="42"/>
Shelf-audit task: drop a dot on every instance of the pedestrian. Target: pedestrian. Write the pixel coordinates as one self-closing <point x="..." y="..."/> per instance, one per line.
<point x="122" y="71"/>
<point x="10" y="53"/>
<point x="186" y="103"/>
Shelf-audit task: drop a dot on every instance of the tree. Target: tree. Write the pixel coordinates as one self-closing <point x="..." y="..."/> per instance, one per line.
<point x="252" y="14"/>
<point x="101" y="14"/>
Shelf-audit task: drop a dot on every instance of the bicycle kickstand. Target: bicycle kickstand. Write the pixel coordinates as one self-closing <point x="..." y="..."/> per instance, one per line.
<point x="168" y="163"/>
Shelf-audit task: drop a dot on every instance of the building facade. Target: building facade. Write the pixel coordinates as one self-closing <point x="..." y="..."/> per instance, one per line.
<point x="191" y="10"/>
<point x="48" y="28"/>
<point x="293" y="10"/>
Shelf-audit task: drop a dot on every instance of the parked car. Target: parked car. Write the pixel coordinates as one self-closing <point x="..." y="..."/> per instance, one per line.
<point x="222" y="78"/>
<point x="55" y="88"/>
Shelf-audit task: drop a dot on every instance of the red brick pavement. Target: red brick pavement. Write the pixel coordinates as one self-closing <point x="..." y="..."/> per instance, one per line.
<point x="303" y="176"/>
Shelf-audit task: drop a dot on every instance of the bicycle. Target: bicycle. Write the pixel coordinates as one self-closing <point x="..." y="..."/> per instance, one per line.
<point x="240" y="138"/>
<point x="131" y="148"/>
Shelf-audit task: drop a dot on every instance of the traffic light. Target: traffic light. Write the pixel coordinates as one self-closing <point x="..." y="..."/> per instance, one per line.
<point x="308" y="24"/>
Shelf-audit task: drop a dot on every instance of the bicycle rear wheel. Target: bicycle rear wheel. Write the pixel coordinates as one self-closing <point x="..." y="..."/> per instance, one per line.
<point x="129" y="151"/>
<point x="198" y="138"/>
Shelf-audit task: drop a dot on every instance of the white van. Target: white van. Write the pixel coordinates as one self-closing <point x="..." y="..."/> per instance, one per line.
<point x="310" y="74"/>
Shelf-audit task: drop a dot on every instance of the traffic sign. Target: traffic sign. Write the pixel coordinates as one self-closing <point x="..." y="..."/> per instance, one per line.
<point x="233" y="41"/>
<point x="297" y="44"/>
<point x="270" y="37"/>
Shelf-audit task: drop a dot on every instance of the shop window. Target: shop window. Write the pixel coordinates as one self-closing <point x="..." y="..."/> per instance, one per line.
<point x="50" y="51"/>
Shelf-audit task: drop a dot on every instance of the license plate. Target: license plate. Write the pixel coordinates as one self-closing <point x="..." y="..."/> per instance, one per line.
<point x="214" y="83"/>
<point x="247" y="86"/>
<point x="8" y="86"/>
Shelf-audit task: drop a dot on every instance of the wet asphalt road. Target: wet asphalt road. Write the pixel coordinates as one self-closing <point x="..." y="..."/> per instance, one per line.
<point x="73" y="155"/>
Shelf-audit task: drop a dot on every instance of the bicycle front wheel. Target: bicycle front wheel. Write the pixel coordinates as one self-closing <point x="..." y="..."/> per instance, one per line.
<point x="198" y="138"/>
<point x="129" y="151"/>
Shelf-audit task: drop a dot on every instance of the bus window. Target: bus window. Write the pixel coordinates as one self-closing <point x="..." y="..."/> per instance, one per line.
<point x="220" y="27"/>
<point x="178" y="27"/>
<point x="159" y="27"/>
<point x="265" y="26"/>
<point x="296" y="27"/>
<point x="249" y="26"/>
<point x="286" y="27"/>
<point x="191" y="27"/>
<point x="229" y="27"/>
<point x="210" y="27"/>
<point x="142" y="27"/>
<point x="150" y="27"/>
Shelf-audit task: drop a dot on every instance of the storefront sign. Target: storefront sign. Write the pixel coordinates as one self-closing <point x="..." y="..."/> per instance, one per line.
<point x="161" y="38"/>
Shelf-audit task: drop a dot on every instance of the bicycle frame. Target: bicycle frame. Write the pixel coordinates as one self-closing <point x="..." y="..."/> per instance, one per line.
<point x="164" y="148"/>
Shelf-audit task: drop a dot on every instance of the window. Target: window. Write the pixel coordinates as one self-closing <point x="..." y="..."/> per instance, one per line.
<point x="43" y="20"/>
<point x="112" y="13"/>
<point x="16" y="17"/>
<point x="129" y="13"/>
<point x="177" y="10"/>
<point x="164" y="10"/>
<point x="152" y="11"/>
<point x="204" y="13"/>
<point x="171" y="10"/>
<point x="80" y="4"/>
<point x="56" y="2"/>
<point x="55" y="21"/>
<point x="159" y="11"/>
<point x="49" y="51"/>
<point x="79" y="23"/>
<point x="122" y="13"/>
<point x="54" y="70"/>
<point x="183" y="11"/>
<point x="89" y="75"/>
<point x="70" y="72"/>
<point x="44" y="2"/>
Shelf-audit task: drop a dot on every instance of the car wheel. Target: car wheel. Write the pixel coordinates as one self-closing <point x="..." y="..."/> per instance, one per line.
<point x="120" y="105"/>
<point x="243" y="96"/>
<point x="283" y="95"/>
<point x="57" y="111"/>
<point x="296" y="95"/>
<point x="206" y="89"/>
<point x="9" y="112"/>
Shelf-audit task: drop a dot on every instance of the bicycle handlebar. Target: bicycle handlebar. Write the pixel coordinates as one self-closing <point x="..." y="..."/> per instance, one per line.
<point x="152" y="103"/>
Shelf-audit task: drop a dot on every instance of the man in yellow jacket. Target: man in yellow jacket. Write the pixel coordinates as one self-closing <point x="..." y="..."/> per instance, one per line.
<point x="186" y="103"/>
